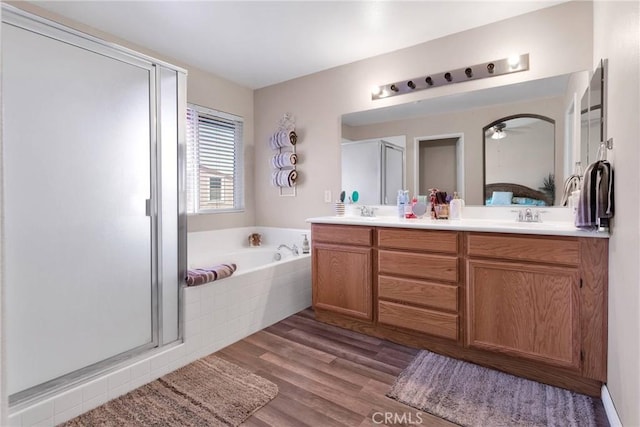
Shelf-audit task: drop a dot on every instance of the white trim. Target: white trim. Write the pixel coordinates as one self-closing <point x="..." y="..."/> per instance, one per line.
<point x="609" y="408"/>
<point x="211" y="111"/>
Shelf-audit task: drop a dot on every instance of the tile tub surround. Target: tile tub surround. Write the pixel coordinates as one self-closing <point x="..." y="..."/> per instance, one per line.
<point x="215" y="315"/>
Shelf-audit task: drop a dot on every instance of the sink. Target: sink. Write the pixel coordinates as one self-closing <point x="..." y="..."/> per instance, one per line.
<point x="534" y="225"/>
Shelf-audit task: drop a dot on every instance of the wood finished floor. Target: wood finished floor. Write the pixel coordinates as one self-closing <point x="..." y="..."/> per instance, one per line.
<point x="327" y="376"/>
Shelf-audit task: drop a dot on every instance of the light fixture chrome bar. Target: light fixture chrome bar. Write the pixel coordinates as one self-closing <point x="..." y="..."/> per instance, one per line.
<point x="499" y="67"/>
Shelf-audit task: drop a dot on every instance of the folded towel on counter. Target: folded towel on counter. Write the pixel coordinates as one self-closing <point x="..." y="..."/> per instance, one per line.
<point x="283" y="138"/>
<point x="200" y="276"/>
<point x="596" y="204"/>
<point x="284" y="160"/>
<point x="284" y="177"/>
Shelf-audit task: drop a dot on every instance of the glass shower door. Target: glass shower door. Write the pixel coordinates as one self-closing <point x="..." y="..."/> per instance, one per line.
<point x="79" y="240"/>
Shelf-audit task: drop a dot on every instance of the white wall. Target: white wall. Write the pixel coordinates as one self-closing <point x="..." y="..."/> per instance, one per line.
<point x="3" y="402"/>
<point x="558" y="40"/>
<point x="617" y="37"/>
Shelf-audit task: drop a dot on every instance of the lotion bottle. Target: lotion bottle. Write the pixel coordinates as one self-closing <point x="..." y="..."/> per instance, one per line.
<point x="455" y="207"/>
<point x="401" y="203"/>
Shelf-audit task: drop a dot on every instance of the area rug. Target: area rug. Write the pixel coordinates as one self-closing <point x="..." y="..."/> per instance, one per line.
<point x="471" y="395"/>
<point x="207" y="392"/>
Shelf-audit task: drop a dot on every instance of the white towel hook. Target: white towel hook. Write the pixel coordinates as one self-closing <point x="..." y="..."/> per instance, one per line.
<point x="604" y="146"/>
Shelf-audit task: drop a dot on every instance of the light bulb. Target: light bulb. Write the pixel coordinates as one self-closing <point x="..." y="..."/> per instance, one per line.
<point x="376" y="90"/>
<point x="514" y="61"/>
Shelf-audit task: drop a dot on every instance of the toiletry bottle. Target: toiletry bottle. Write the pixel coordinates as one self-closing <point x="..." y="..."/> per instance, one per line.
<point x="408" y="209"/>
<point x="305" y="245"/>
<point x="401" y="204"/>
<point x="433" y="201"/>
<point x="455" y="207"/>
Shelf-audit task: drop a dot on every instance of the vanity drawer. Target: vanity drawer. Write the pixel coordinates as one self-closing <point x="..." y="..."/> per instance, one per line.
<point x="418" y="319"/>
<point x="553" y="250"/>
<point x="433" y="295"/>
<point x="418" y="240"/>
<point x="342" y="234"/>
<point x="423" y="266"/>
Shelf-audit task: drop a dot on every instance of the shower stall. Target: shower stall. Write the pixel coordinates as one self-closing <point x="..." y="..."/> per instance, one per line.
<point x="375" y="168"/>
<point x="94" y="221"/>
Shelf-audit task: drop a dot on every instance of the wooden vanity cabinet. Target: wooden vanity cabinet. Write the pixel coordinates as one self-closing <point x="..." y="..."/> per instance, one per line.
<point x="539" y="298"/>
<point x="531" y="305"/>
<point x="418" y="281"/>
<point x="342" y="270"/>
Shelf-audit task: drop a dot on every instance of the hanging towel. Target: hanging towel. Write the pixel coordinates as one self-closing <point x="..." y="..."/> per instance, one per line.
<point x="284" y="177"/>
<point x="283" y="138"/>
<point x="200" y="276"/>
<point x="284" y="160"/>
<point x="596" y="204"/>
<point x="570" y="185"/>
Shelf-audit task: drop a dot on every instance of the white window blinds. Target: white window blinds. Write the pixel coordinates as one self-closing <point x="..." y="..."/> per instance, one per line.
<point x="214" y="161"/>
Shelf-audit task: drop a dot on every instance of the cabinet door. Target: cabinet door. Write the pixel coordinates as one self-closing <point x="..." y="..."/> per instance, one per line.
<point x="524" y="310"/>
<point x="342" y="280"/>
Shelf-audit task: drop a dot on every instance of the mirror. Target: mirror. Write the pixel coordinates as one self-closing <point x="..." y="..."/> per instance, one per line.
<point x="460" y="119"/>
<point x="374" y="168"/>
<point x="519" y="161"/>
<point x="592" y="116"/>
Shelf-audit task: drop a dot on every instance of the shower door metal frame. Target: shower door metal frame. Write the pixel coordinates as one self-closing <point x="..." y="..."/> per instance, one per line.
<point x="35" y="24"/>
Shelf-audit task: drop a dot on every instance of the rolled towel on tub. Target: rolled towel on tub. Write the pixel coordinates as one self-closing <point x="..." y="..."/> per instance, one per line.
<point x="200" y="276"/>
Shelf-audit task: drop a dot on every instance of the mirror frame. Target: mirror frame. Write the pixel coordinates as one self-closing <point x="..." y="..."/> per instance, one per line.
<point x="484" y="147"/>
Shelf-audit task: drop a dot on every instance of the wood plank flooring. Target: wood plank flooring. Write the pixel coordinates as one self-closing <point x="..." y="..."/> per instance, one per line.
<point x="327" y="376"/>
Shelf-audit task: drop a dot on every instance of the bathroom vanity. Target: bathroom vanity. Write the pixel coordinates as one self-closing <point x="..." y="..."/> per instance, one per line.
<point x="530" y="301"/>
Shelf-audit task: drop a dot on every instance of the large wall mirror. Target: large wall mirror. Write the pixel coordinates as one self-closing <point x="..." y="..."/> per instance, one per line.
<point x="592" y="116"/>
<point x="445" y="136"/>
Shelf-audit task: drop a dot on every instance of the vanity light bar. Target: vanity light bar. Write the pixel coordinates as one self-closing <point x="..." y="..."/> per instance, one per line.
<point x="499" y="67"/>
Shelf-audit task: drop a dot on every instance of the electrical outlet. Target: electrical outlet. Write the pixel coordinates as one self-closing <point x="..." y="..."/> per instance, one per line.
<point x="327" y="196"/>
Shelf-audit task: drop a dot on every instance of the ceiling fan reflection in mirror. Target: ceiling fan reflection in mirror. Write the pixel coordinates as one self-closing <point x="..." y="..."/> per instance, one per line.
<point x="500" y="130"/>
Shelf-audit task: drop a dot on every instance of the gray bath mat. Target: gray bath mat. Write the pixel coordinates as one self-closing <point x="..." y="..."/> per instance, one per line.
<point x="471" y="395"/>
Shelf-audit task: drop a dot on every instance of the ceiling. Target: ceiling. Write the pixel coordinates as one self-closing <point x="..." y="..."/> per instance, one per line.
<point x="261" y="43"/>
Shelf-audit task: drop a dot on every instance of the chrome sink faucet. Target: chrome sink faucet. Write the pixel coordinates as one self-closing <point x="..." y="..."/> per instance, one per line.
<point x="528" y="215"/>
<point x="367" y="211"/>
<point x="294" y="250"/>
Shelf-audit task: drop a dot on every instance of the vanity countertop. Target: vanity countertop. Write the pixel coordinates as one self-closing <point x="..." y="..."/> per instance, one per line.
<point x="554" y="228"/>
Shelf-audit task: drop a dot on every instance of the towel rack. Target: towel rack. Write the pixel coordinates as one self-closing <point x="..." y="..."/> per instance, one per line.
<point x="287" y="124"/>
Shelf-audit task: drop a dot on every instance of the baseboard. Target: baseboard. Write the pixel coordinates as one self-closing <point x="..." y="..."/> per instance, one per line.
<point x="612" y="415"/>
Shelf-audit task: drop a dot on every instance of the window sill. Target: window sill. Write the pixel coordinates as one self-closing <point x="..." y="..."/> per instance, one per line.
<point x="217" y="212"/>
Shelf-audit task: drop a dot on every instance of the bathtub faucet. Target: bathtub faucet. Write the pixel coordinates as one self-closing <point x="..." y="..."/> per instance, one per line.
<point x="294" y="249"/>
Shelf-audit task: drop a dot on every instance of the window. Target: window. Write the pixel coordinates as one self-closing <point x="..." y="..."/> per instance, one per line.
<point x="215" y="188"/>
<point x="214" y="161"/>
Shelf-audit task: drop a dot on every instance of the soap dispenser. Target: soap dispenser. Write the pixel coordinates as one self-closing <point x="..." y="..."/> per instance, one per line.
<point x="305" y="245"/>
<point x="455" y="207"/>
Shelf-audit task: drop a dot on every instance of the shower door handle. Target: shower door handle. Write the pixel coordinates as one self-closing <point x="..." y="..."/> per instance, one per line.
<point x="148" y="207"/>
